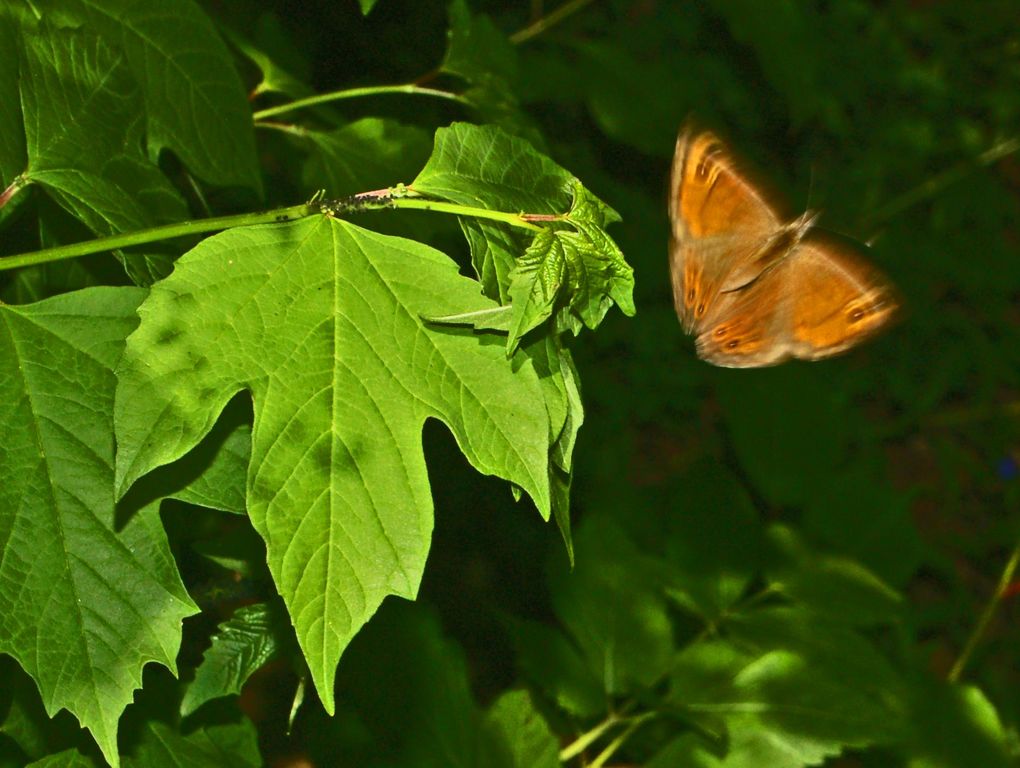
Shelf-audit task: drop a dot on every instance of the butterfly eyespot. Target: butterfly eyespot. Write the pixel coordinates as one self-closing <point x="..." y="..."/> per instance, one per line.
<point x="732" y="343"/>
<point x="856" y="314"/>
<point x="690" y="296"/>
<point x="720" y="332"/>
<point x="701" y="309"/>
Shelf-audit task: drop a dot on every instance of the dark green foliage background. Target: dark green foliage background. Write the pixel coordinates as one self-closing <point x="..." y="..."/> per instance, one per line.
<point x="900" y="457"/>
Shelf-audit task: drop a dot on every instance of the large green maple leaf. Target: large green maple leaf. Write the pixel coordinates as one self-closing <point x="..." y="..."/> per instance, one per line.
<point x="321" y="321"/>
<point x="85" y="599"/>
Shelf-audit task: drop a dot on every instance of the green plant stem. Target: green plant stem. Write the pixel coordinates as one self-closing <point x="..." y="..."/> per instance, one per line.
<point x="940" y="181"/>
<point x="1005" y="580"/>
<point x="384" y="199"/>
<point x="295" y="705"/>
<point x="294" y="130"/>
<point x="353" y="93"/>
<point x="155" y="234"/>
<point x="539" y="26"/>
<point x="620" y="739"/>
<point x="582" y="742"/>
<point x="514" y="219"/>
<point x="368" y="201"/>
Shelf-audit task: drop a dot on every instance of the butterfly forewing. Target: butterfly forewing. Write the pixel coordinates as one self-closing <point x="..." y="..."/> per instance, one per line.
<point x="719" y="221"/>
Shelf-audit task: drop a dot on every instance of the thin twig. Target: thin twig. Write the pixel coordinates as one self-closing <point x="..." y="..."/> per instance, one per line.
<point x="155" y="234"/>
<point x="940" y="181"/>
<point x="976" y="635"/>
<point x="539" y="26"/>
<point x="582" y="742"/>
<point x="621" y="738"/>
<point x="353" y="93"/>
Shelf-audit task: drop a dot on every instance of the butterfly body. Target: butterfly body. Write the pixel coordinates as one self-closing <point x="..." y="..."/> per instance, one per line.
<point x="753" y="287"/>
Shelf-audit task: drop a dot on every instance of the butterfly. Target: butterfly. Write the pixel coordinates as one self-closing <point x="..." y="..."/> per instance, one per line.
<point x="754" y="288"/>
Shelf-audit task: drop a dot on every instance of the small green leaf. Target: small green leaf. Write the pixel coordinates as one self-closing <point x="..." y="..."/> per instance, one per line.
<point x="581" y="272"/>
<point x="535" y="284"/>
<point x="838" y="588"/>
<point x="69" y="758"/>
<point x="566" y="380"/>
<point x="217" y="746"/>
<point x="433" y="719"/>
<point x="212" y="475"/>
<point x="552" y="663"/>
<point x="956" y="726"/>
<point x="613" y="606"/>
<point x="239" y="550"/>
<point x="220" y="480"/>
<point x="243" y="644"/>
<point x="480" y="54"/>
<point x="489" y="168"/>
<point x="275" y="78"/>
<point x="588" y="209"/>
<point x="790" y="690"/>
<point x="525" y="735"/>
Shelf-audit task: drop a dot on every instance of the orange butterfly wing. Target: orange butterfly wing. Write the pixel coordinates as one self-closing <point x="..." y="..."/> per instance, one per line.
<point x="754" y="289"/>
<point x="818" y="301"/>
<point x="718" y="219"/>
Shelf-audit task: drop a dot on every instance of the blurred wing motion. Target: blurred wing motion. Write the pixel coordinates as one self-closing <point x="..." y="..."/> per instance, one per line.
<point x="753" y="288"/>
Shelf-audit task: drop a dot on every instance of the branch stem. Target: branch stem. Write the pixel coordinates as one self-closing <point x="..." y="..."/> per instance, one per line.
<point x="391" y="198"/>
<point x="621" y="738"/>
<point x="155" y="234"/>
<point x="540" y="25"/>
<point x="940" y="181"/>
<point x="396" y="197"/>
<point x="582" y="742"/>
<point x="978" y="633"/>
<point x="353" y="93"/>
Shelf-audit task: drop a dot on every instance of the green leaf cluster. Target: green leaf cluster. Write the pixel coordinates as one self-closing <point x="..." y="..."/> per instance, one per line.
<point x="221" y="453"/>
<point x="120" y="398"/>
